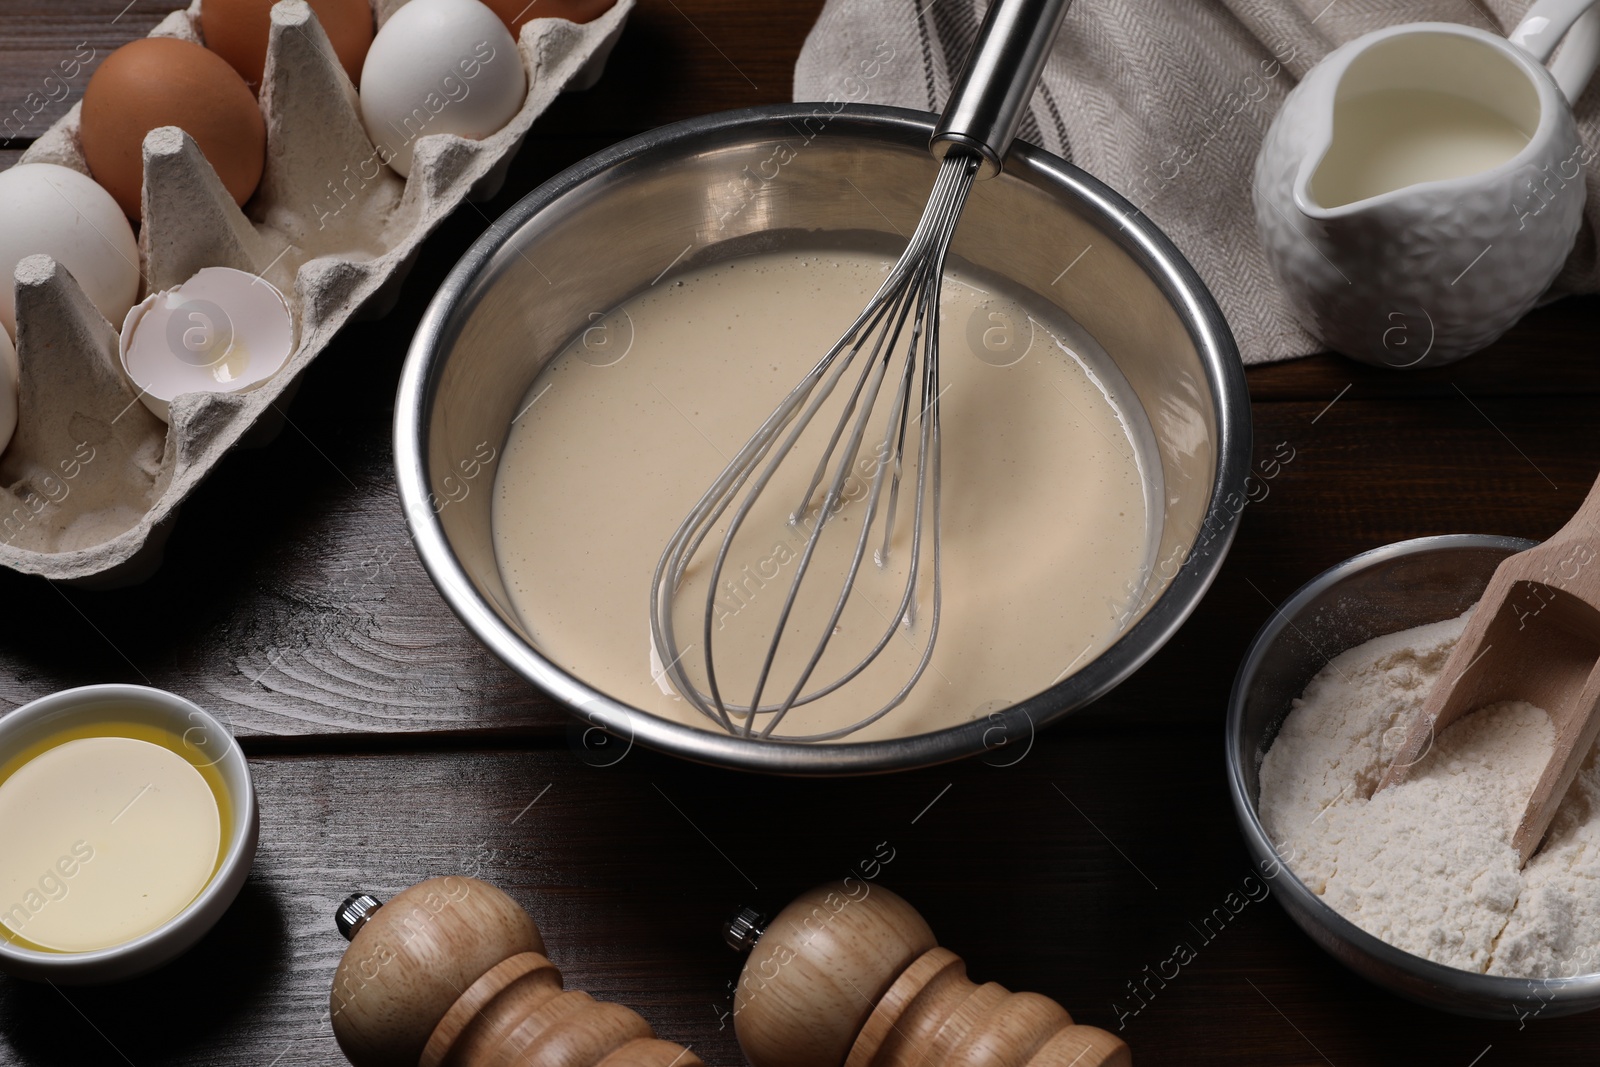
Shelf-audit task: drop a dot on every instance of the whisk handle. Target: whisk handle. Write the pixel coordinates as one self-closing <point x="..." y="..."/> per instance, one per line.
<point x="1001" y="72"/>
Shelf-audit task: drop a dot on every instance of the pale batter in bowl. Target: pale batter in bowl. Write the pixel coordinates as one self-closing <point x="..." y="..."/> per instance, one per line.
<point x="1047" y="494"/>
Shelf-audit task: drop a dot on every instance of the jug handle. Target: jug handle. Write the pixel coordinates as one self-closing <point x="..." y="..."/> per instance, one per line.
<point x="1544" y="26"/>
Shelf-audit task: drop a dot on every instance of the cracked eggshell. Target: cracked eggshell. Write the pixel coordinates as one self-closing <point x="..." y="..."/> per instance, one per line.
<point x="222" y="331"/>
<point x="439" y="66"/>
<point x="51" y="210"/>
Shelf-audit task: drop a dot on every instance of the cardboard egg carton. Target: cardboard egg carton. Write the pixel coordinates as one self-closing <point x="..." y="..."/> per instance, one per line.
<point x="91" y="481"/>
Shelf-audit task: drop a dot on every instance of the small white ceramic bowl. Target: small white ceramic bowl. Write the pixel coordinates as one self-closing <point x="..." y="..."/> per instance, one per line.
<point x="47" y="716"/>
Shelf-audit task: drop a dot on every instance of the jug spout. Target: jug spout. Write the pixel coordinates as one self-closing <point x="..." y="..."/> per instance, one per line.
<point x="1393" y="142"/>
<point x="1415" y="172"/>
<point x="1411" y="109"/>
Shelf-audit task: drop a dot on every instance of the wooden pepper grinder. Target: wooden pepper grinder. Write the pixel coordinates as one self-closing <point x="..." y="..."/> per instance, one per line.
<point x="848" y="977"/>
<point x="452" y="973"/>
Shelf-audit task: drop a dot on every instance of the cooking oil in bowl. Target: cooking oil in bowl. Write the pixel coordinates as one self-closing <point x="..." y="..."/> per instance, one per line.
<point x="107" y="831"/>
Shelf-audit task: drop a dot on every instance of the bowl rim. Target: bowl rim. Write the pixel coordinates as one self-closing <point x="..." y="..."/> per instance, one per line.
<point x="153" y="947"/>
<point x="1471" y="983"/>
<point x="1118" y="219"/>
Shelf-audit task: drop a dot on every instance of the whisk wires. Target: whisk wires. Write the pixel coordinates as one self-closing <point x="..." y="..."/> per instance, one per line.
<point x="901" y="318"/>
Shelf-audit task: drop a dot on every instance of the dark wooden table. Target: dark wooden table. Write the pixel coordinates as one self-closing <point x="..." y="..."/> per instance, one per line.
<point x="388" y="746"/>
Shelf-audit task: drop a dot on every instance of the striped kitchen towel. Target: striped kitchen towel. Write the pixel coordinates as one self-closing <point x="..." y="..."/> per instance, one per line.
<point x="1166" y="101"/>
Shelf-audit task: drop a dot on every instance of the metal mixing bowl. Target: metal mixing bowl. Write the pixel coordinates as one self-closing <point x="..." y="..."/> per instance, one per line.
<point x="703" y="190"/>
<point x="1380" y="592"/>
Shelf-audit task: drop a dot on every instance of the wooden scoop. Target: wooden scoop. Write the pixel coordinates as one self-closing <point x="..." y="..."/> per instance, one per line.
<point x="1534" y="636"/>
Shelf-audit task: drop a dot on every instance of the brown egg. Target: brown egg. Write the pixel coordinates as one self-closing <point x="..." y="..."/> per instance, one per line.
<point x="237" y="31"/>
<point x="515" y="12"/>
<point x="161" y="81"/>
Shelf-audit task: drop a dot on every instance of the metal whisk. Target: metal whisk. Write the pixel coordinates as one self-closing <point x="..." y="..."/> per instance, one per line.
<point x="971" y="139"/>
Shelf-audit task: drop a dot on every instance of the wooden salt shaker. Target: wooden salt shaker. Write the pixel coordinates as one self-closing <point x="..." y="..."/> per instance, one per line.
<point x="452" y="973"/>
<point x="848" y="977"/>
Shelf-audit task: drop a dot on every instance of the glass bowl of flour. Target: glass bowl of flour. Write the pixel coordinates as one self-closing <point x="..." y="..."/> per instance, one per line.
<point x="1417" y="888"/>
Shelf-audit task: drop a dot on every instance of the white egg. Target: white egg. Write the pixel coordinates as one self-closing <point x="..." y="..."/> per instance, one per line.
<point x="63" y="214"/>
<point x="8" y="389"/>
<point x="439" y="66"/>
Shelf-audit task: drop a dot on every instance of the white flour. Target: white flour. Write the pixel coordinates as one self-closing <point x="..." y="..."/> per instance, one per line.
<point x="1428" y="865"/>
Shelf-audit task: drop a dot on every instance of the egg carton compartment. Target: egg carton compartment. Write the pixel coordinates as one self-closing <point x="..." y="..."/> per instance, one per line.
<point x="91" y="481"/>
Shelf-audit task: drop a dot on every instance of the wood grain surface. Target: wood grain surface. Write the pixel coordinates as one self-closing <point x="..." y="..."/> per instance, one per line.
<point x="1058" y="875"/>
<point x="388" y="746"/>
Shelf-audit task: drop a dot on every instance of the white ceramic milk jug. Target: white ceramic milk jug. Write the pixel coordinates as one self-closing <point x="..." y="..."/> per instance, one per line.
<point x="1422" y="186"/>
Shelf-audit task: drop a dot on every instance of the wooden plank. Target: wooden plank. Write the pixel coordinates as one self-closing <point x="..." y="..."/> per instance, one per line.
<point x="291" y="602"/>
<point x="48" y="50"/>
<point x="683" y="58"/>
<point x="630" y="869"/>
<point x="1551" y="352"/>
<point x="388" y="745"/>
